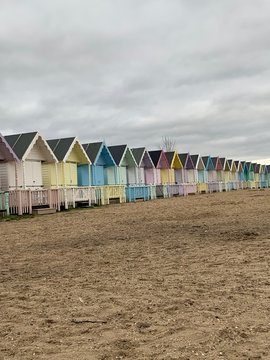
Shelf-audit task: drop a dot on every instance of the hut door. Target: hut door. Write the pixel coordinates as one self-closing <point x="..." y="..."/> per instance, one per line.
<point x="99" y="176"/>
<point x="33" y="174"/>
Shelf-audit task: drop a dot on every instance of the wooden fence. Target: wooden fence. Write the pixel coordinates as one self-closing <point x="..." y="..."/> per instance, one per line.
<point x="23" y="201"/>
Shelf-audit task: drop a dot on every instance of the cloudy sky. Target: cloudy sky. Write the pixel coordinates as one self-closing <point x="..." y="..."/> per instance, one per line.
<point x="132" y="71"/>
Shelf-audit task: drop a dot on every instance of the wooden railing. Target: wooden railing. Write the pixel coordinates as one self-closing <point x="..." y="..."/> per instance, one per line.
<point x="153" y="192"/>
<point x="202" y="188"/>
<point x="114" y="192"/>
<point x="70" y="197"/>
<point x="22" y="201"/>
<point x="134" y="192"/>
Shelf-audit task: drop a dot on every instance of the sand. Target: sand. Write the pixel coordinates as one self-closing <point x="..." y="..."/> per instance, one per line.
<point x="180" y="278"/>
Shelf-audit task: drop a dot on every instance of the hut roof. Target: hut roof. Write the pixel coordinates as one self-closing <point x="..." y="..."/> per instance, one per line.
<point x="92" y="150"/>
<point x="6" y="152"/>
<point x="22" y="144"/>
<point x="195" y="159"/>
<point x="159" y="159"/>
<point x="138" y="154"/>
<point x="63" y="147"/>
<point x="98" y="151"/>
<point x="208" y="162"/>
<point x="119" y="152"/>
<point x="186" y="161"/>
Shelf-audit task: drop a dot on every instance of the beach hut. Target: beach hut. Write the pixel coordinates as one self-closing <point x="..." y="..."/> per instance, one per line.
<point x="210" y="174"/>
<point x="7" y="157"/>
<point x="189" y="173"/>
<point x="257" y="175"/>
<point x="232" y="185"/>
<point x="201" y="174"/>
<point x="176" y="167"/>
<point x="176" y="173"/>
<point x="145" y="174"/>
<point x="263" y="177"/>
<point x="239" y="175"/>
<point x="219" y="182"/>
<point x="102" y="168"/>
<point x="126" y="164"/>
<point x="162" y="167"/>
<point x="249" y="173"/>
<point x="34" y="155"/>
<point x="225" y="173"/>
<point x="267" y="175"/>
<point x="69" y="153"/>
<point x="244" y="174"/>
<point x="161" y="164"/>
<point x="145" y="167"/>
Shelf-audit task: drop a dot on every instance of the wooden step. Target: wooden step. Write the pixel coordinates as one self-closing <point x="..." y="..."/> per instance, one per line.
<point x="44" y="211"/>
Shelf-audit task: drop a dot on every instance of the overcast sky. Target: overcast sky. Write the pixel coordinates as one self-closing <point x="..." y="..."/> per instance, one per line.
<point x="132" y="71"/>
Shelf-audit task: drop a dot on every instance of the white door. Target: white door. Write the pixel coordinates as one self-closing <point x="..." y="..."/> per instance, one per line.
<point x="33" y="174"/>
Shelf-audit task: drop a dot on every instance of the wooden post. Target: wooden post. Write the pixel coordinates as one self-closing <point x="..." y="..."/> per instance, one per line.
<point x="30" y="201"/>
<point x="65" y="198"/>
<point x="73" y="198"/>
<point x="19" y="201"/>
<point x="49" y="198"/>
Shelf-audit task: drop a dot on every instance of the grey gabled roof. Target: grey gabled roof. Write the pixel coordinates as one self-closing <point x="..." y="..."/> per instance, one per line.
<point x="138" y="154"/>
<point x="60" y="147"/>
<point x="169" y="156"/>
<point x="117" y="152"/>
<point x="194" y="159"/>
<point x="205" y="160"/>
<point x="92" y="150"/>
<point x="20" y="143"/>
<point x="230" y="162"/>
<point x="5" y="150"/>
<point x="155" y="156"/>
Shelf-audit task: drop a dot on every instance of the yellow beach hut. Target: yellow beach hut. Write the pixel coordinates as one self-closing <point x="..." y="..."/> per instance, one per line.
<point x="69" y="153"/>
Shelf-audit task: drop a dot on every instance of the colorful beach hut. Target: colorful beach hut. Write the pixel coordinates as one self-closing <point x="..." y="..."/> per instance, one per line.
<point x="249" y="173"/>
<point x="162" y="167"/>
<point x="239" y="175"/>
<point x="189" y="173"/>
<point x="218" y="184"/>
<point x="176" y="167"/>
<point x="209" y="172"/>
<point x="232" y="185"/>
<point x="225" y="174"/>
<point x="257" y="175"/>
<point x="102" y="168"/>
<point x="201" y="174"/>
<point x="7" y="157"/>
<point x="145" y="167"/>
<point x="267" y="175"/>
<point x="69" y="153"/>
<point x="33" y="154"/>
<point x="263" y="177"/>
<point x="125" y="164"/>
<point x="244" y="174"/>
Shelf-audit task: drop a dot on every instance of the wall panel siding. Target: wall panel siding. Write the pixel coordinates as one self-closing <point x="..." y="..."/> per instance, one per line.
<point x="46" y="175"/>
<point x="36" y="153"/>
<point x="3" y="176"/>
<point x="131" y="175"/>
<point x="110" y="175"/>
<point x="122" y="175"/>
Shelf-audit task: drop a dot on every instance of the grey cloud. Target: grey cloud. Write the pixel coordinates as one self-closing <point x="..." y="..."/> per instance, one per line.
<point x="132" y="72"/>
